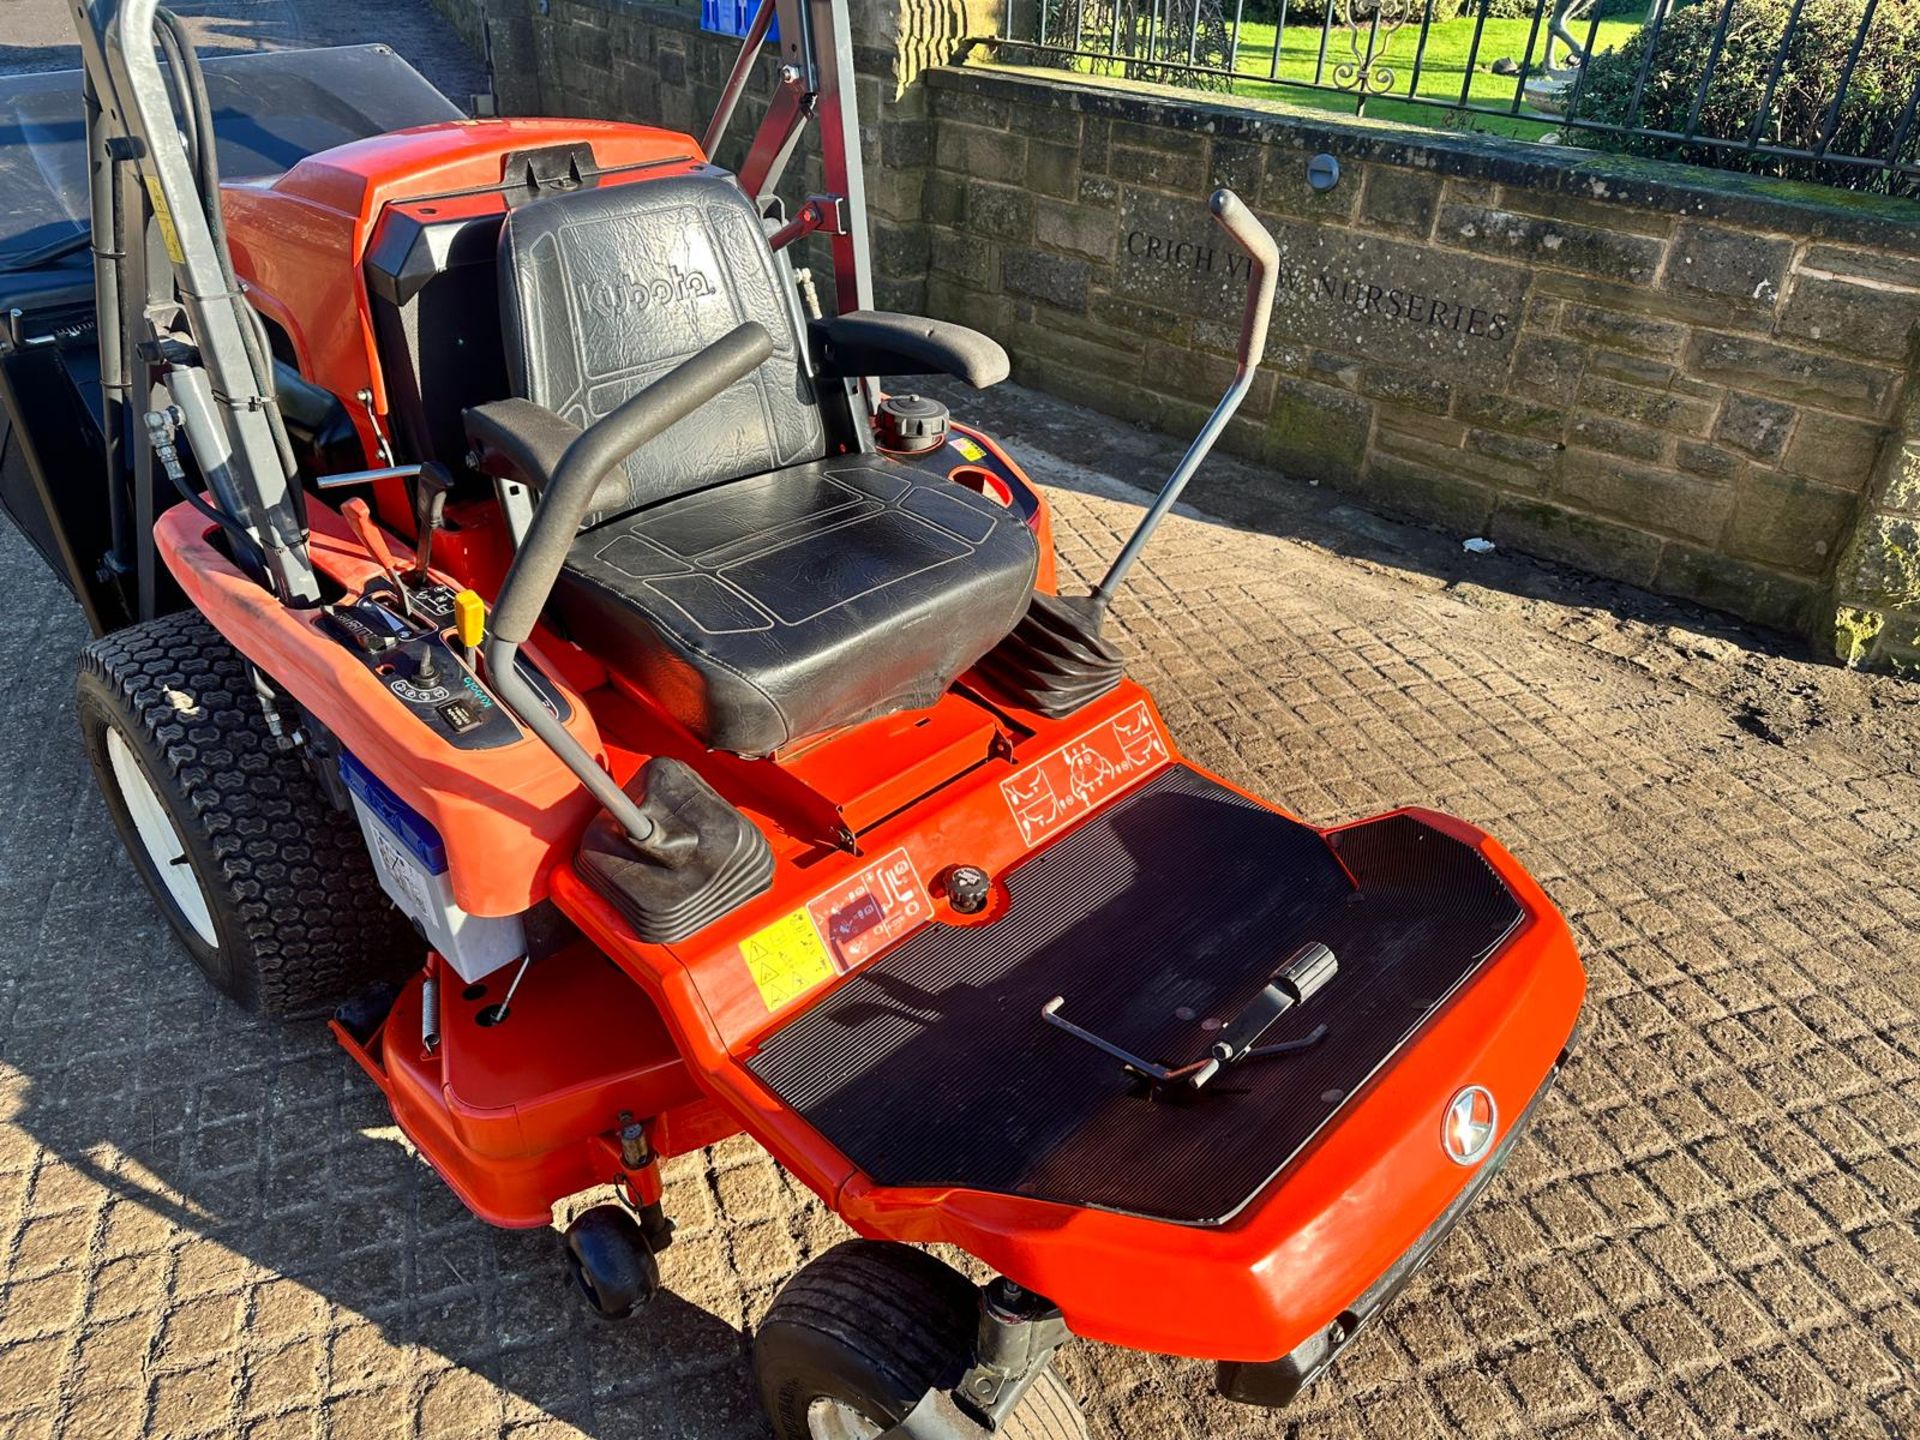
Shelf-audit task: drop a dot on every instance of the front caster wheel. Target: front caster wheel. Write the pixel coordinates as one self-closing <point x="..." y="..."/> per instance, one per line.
<point x="858" y="1337"/>
<point x="610" y="1262"/>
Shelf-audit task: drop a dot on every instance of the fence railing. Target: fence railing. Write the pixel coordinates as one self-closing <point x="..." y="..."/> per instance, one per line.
<point x="1803" y="88"/>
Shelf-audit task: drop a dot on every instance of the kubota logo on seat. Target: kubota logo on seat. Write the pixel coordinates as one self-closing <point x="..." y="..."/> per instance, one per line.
<point x="632" y="297"/>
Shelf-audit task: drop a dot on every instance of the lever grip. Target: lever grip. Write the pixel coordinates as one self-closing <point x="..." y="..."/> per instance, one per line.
<point x="1232" y="215"/>
<point x="360" y="520"/>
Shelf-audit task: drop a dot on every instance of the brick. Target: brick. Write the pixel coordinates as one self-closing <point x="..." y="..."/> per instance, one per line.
<point x="1058" y="280"/>
<point x="1504" y="412"/>
<point x="984" y="154"/>
<point x="1151" y="167"/>
<point x="1648" y="496"/>
<point x="1707" y="461"/>
<point x="1714" y="578"/>
<point x="1617" y="437"/>
<point x="1000" y="213"/>
<point x="1885" y="267"/>
<point x="1404" y="200"/>
<point x="1240" y="167"/>
<point x="1410" y="484"/>
<point x="1556" y="532"/>
<point x="1660" y="408"/>
<point x="1405" y="387"/>
<point x="1438" y="429"/>
<point x="1790" y="374"/>
<point x="1549" y="243"/>
<point x="1661" y="339"/>
<point x="1789" y="524"/>
<point x="1833" y="450"/>
<point x="1083" y="232"/>
<point x="1053" y="169"/>
<point x="1902" y="492"/>
<point x="1759" y="427"/>
<point x="1549" y="369"/>
<point x="1099" y="190"/>
<point x="965" y="257"/>
<point x="1541" y="457"/>
<point x="1864" y="320"/>
<point x="1731" y="264"/>
<point x="1316" y="432"/>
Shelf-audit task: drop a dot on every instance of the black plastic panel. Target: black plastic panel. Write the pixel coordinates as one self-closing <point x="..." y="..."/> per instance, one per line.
<point x="932" y="1066"/>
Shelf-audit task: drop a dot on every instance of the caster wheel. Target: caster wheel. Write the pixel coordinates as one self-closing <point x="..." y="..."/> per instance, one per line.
<point x="610" y="1262"/>
<point x="855" y="1340"/>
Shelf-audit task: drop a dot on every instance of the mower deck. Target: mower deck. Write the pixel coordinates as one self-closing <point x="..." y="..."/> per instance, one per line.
<point x="1164" y="914"/>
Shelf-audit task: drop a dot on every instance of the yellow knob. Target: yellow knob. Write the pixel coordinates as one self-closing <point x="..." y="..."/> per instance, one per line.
<point x="469" y="618"/>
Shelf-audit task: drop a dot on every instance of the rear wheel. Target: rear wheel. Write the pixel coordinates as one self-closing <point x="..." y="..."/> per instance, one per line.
<point x="267" y="886"/>
<point x="860" y="1335"/>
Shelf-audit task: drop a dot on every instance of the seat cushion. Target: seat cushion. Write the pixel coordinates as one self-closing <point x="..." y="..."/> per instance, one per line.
<point x="769" y="609"/>
<point x="604" y="291"/>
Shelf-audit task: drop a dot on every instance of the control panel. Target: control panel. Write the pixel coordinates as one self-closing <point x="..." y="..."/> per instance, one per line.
<point x="409" y="640"/>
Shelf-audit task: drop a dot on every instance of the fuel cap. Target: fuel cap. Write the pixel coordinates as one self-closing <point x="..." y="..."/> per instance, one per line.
<point x="967" y="889"/>
<point x="911" y="424"/>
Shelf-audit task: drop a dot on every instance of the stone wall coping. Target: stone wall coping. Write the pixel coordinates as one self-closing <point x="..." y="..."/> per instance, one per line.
<point x="1811" y="211"/>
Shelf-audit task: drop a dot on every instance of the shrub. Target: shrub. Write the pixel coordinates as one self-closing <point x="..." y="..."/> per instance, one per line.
<point x="1877" y="96"/>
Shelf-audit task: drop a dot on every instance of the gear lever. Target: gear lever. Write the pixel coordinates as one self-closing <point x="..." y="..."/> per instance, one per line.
<point x="360" y="518"/>
<point x="430" y="489"/>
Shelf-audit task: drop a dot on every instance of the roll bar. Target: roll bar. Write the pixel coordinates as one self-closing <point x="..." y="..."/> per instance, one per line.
<point x="215" y="368"/>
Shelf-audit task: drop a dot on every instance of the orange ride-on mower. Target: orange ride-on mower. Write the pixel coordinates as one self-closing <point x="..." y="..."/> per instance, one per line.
<point x="525" y="625"/>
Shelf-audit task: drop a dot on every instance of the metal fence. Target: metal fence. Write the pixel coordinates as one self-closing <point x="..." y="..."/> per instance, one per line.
<point x="1810" y="89"/>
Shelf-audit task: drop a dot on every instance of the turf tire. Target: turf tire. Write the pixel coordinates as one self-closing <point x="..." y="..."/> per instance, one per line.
<point x="300" y="922"/>
<point x="874" y="1326"/>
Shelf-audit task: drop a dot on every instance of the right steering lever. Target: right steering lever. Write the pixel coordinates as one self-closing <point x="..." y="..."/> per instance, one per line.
<point x="1263" y="255"/>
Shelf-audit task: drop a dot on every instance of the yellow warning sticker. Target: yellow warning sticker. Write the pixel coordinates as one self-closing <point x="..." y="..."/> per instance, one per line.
<point x="163" y="217"/>
<point x="787" y="959"/>
<point x="969" y="449"/>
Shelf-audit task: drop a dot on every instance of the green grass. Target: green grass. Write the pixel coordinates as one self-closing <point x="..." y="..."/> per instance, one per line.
<point x="1443" y="69"/>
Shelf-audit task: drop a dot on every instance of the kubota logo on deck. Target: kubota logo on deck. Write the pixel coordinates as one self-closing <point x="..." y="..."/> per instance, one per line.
<point x="633" y="297"/>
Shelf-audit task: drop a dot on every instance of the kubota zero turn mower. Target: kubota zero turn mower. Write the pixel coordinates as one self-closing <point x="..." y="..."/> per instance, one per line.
<point x="510" y="584"/>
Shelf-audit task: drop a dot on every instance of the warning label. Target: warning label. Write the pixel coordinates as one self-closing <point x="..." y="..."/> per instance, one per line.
<point x="1060" y="788"/>
<point x="834" y="932"/>
<point x="786" y="959"/>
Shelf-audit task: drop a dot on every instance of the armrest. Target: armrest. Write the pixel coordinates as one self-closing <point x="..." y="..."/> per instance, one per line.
<point x="519" y="440"/>
<point x="879" y="342"/>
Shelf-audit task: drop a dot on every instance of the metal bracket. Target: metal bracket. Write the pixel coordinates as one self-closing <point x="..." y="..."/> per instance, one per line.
<point x="819" y="214"/>
<point x="1017" y="1335"/>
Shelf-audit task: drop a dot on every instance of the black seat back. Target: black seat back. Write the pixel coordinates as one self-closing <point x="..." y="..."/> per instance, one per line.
<point x="603" y="291"/>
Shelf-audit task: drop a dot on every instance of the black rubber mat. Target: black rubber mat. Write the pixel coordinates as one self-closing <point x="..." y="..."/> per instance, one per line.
<point x="932" y="1065"/>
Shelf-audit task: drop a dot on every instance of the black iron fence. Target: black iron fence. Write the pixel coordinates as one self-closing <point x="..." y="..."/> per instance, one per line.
<point x="1810" y="89"/>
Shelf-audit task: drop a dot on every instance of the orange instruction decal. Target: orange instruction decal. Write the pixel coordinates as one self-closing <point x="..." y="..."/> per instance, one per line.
<point x="872" y="910"/>
<point x="1073" y="780"/>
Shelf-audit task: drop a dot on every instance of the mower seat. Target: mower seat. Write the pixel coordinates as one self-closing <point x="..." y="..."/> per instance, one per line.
<point x="760" y="587"/>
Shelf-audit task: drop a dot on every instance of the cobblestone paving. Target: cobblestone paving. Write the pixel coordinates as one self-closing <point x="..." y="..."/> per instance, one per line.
<point x="209" y="1227"/>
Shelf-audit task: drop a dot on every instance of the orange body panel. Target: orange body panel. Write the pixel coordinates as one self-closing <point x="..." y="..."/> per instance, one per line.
<point x="505" y="815"/>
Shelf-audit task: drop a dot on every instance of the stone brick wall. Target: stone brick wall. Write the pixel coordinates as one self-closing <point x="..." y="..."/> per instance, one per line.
<point x="1695" y="382"/>
<point x="1676" y="379"/>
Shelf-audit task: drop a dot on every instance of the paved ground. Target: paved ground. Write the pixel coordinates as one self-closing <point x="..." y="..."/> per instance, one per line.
<point x="207" y="1225"/>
